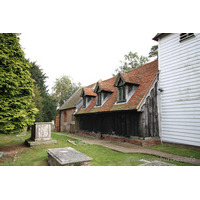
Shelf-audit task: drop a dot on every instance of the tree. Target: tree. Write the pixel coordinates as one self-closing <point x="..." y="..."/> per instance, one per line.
<point x="46" y="103"/>
<point x="63" y="89"/>
<point x="39" y="76"/>
<point x="37" y="99"/>
<point x="17" y="109"/>
<point x="49" y="108"/>
<point x="154" y="51"/>
<point x="132" y="61"/>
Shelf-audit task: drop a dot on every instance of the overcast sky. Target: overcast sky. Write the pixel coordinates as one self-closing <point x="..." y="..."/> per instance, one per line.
<point x="86" y="39"/>
<point x="86" y="54"/>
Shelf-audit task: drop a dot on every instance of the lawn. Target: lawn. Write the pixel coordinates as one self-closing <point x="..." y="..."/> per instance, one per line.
<point x="37" y="155"/>
<point x="177" y="150"/>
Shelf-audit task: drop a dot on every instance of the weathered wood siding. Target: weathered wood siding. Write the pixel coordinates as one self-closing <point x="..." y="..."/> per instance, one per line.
<point x="179" y="110"/>
<point x="148" y="121"/>
<point x="125" y="123"/>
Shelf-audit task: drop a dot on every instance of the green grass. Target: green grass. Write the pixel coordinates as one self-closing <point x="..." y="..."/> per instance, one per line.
<point x="177" y="150"/>
<point x="102" y="156"/>
<point x="12" y="139"/>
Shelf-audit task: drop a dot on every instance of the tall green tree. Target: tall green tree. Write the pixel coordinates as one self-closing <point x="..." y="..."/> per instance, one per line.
<point x="37" y="99"/>
<point x="46" y="103"/>
<point x="63" y="88"/>
<point x="39" y="76"/>
<point x="17" y="109"/>
<point x="132" y="61"/>
<point x="154" y="51"/>
<point x="49" y="108"/>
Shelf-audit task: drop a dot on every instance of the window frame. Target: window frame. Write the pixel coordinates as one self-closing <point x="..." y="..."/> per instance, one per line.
<point x="99" y="100"/>
<point x="84" y="102"/>
<point x="121" y="94"/>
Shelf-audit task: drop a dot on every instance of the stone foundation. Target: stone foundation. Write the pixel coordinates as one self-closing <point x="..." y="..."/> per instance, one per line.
<point x="30" y="142"/>
<point x="140" y="142"/>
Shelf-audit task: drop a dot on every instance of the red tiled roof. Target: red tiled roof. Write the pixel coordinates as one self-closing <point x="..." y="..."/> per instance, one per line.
<point x="106" y="86"/>
<point x="130" y="79"/>
<point x="144" y="75"/>
<point x="89" y="91"/>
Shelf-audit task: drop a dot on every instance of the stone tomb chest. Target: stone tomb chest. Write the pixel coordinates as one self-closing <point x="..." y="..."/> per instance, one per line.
<point x="41" y="131"/>
<point x="67" y="157"/>
<point x="40" y="134"/>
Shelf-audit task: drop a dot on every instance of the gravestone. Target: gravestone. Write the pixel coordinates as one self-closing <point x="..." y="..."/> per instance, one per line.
<point x="67" y="157"/>
<point x="40" y="134"/>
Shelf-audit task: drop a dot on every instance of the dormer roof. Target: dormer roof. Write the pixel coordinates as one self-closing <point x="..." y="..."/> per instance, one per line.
<point x="123" y="78"/>
<point x="103" y="86"/>
<point x="88" y="92"/>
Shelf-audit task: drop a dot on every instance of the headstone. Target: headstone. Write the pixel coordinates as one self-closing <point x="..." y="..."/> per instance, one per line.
<point x="40" y="134"/>
<point x="67" y="157"/>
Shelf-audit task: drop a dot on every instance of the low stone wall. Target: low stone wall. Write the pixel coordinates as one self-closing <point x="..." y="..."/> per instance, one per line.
<point x="140" y="142"/>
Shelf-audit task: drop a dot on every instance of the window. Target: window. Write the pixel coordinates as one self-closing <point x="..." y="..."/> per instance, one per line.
<point x="129" y="89"/>
<point x="99" y="99"/>
<point x="65" y="116"/>
<point x="121" y="94"/>
<point x="184" y="36"/>
<point x="84" y="102"/>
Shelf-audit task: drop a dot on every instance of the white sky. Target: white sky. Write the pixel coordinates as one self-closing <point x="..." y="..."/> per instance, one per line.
<point x="85" y="39"/>
<point x="86" y="54"/>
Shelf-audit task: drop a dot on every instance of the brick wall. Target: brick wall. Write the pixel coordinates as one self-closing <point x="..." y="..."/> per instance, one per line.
<point x="143" y="143"/>
<point x="66" y="118"/>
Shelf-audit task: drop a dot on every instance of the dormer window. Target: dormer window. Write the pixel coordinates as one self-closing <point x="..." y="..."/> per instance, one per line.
<point x="127" y="85"/>
<point x="103" y="90"/>
<point x="122" y="94"/>
<point x="87" y="95"/>
<point x="184" y="36"/>
<point x="84" y="102"/>
<point x="98" y="99"/>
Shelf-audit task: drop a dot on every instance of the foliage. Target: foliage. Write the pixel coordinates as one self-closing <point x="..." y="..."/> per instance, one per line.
<point x="49" y="108"/>
<point x="46" y="101"/>
<point x="17" y="110"/>
<point x="132" y="61"/>
<point x="63" y="89"/>
<point x="154" y="51"/>
<point x="37" y="99"/>
<point x="39" y="77"/>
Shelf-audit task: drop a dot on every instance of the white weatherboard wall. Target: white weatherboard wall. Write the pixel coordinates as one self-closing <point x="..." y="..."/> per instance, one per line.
<point x="179" y="103"/>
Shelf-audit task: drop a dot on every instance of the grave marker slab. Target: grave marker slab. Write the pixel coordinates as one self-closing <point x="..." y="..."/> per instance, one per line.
<point x="67" y="157"/>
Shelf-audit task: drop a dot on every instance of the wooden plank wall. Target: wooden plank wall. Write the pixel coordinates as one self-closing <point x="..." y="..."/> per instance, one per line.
<point x="148" y="120"/>
<point x="116" y="123"/>
<point x="125" y="123"/>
